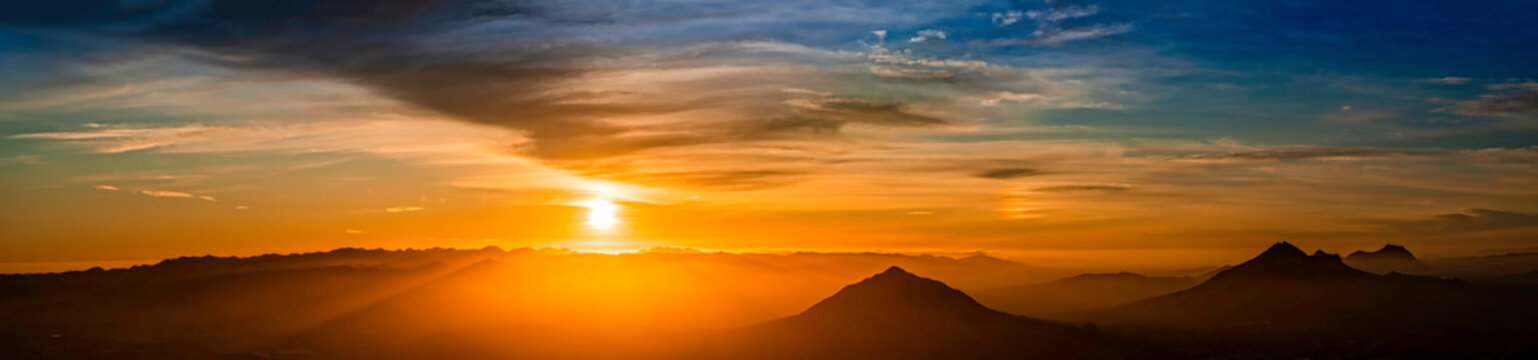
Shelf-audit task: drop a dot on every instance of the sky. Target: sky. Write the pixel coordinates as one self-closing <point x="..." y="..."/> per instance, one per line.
<point x="1117" y="133"/>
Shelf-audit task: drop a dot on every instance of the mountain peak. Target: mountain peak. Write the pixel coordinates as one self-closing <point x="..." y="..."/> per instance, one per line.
<point x="1391" y="258"/>
<point x="1389" y="251"/>
<point x="897" y="292"/>
<point x="895" y="271"/>
<point x="1320" y="255"/>
<point x="1281" y="250"/>
<point x="1283" y="260"/>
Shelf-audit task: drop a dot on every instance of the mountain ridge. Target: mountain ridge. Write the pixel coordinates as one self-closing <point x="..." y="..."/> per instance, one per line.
<point x="898" y="315"/>
<point x="1390" y="258"/>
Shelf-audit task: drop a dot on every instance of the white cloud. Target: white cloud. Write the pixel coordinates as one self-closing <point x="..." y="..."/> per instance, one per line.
<point x="1066" y="35"/>
<point x="994" y="98"/>
<point x="1060" y="14"/>
<point x="1048" y="26"/>
<point x="880" y="34"/>
<point x="928" y="35"/>
<point x="396" y="209"/>
<point x="1008" y="17"/>
<point x="106" y="187"/>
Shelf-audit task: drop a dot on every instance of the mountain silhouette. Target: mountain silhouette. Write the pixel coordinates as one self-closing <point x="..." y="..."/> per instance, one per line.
<point x="1282" y="284"/>
<point x="1391" y="258"/>
<point x="1283" y="261"/>
<point x="896" y="291"/>
<point x="899" y="315"/>
<point x="1286" y="298"/>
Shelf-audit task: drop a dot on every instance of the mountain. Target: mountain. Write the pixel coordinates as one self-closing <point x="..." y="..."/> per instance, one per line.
<point x="1391" y="258"/>
<point x="1065" y="297"/>
<point x="899" y="315"/>
<point x="1284" y="262"/>
<point x="1282" y="284"/>
<point x="1284" y="300"/>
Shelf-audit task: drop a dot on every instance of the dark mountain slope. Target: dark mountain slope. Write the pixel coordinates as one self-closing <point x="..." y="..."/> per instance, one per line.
<point x="1286" y="299"/>
<point x="898" y="315"/>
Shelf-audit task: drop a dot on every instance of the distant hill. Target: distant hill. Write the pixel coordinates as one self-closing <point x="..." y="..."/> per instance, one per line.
<point x="899" y="315"/>
<point x="1489" y="265"/>
<point x="1284" y="297"/>
<point x="1067" y="297"/>
<point x="1391" y="258"/>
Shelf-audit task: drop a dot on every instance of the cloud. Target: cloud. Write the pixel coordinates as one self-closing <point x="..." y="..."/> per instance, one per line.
<point x="1515" y="84"/>
<point x="1082" y="188"/>
<point x="1059" y="36"/>
<point x="166" y="194"/>
<point x="1449" y="80"/>
<point x="574" y="84"/>
<point x="106" y="187"/>
<point x="398" y="209"/>
<point x="1009" y="173"/>
<point x="1466" y="221"/>
<point x="1063" y="13"/>
<point x="721" y="180"/>
<point x="928" y="35"/>
<point x="174" y="194"/>
<point x="1310" y="153"/>
<point x="1053" y="27"/>
<point x="520" y="84"/>
<point x="1351" y="115"/>
<point x="1510" y="103"/>
<point x="841" y="110"/>
<point x="994" y="98"/>
<point x="119" y="138"/>
<point x="1008" y="17"/>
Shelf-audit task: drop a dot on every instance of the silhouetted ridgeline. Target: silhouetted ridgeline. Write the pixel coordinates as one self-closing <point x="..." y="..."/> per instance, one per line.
<point x="1290" y="304"/>
<point x="1392" y="258"/>
<point x="899" y="315"/>
<point x="525" y="303"/>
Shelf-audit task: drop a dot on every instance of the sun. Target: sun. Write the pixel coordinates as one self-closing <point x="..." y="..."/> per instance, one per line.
<point x="601" y="214"/>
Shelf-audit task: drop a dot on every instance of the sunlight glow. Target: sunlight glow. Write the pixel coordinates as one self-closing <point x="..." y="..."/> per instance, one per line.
<point x="601" y="214"/>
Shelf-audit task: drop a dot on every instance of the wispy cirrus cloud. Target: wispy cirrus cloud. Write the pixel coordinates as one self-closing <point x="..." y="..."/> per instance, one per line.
<point x="1473" y="220"/>
<point x="175" y="194"/>
<point x="1053" y="26"/>
<point x="1521" y="102"/>
<point x="401" y="209"/>
<point x="1447" y="80"/>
